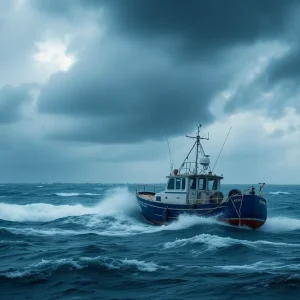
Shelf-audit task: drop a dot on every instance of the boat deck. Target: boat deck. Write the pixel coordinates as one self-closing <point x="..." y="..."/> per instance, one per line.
<point x="147" y="196"/>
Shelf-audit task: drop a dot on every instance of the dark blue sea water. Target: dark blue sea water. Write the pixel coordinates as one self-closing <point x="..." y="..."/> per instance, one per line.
<point x="89" y="241"/>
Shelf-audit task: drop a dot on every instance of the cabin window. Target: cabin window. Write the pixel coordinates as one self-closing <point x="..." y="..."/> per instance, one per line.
<point x="213" y="184"/>
<point x="192" y="183"/>
<point x="183" y="184"/>
<point x="202" y="184"/>
<point x="178" y="181"/>
<point x="171" y="184"/>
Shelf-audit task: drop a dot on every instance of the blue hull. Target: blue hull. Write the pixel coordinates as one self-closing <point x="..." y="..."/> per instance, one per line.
<point x="249" y="210"/>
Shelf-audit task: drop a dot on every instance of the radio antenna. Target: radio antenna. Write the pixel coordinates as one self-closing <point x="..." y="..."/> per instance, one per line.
<point x="221" y="149"/>
<point x="170" y="155"/>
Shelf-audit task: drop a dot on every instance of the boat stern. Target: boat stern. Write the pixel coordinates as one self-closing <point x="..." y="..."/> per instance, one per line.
<point x="246" y="210"/>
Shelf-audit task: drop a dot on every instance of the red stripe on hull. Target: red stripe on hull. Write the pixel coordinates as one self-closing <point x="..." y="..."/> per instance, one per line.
<point x="254" y="224"/>
<point x="156" y="222"/>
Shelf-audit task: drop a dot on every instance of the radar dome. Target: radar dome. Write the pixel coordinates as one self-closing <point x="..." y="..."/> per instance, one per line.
<point x="204" y="161"/>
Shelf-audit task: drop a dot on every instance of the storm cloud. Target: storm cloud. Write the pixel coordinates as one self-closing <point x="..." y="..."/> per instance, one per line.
<point x="12" y="100"/>
<point x="159" y="66"/>
<point x="203" y="24"/>
<point x="125" y="93"/>
<point x="128" y="72"/>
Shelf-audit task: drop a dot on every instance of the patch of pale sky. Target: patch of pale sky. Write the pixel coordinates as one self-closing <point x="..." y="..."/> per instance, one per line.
<point x="19" y="3"/>
<point x="55" y="54"/>
<point x="290" y="119"/>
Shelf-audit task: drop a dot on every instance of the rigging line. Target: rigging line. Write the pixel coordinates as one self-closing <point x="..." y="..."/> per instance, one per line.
<point x="221" y="149"/>
<point x="170" y="155"/>
<point x="187" y="156"/>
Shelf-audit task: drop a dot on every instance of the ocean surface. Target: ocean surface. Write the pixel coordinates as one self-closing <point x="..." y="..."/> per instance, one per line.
<point x="90" y="241"/>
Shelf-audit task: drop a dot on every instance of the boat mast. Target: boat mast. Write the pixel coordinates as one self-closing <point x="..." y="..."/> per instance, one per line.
<point x="197" y="152"/>
<point x="198" y="148"/>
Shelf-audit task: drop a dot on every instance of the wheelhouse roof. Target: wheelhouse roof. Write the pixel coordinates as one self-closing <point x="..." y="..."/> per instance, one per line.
<point x="208" y="176"/>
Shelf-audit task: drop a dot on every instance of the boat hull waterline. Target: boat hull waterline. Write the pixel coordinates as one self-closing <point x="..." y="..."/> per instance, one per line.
<point x="240" y="210"/>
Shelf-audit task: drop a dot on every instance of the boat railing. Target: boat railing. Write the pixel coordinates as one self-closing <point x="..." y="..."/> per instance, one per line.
<point x="189" y="167"/>
<point x="148" y="189"/>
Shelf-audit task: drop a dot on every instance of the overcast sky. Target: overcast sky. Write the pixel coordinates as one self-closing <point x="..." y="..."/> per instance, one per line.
<point x="90" y="89"/>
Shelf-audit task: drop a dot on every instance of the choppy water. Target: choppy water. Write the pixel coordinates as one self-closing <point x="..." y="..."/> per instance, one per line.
<point x="89" y="241"/>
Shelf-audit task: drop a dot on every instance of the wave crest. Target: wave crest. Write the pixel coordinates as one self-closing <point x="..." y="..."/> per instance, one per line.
<point x="118" y="200"/>
<point x="279" y="193"/>
<point x="214" y="242"/>
<point x="280" y="224"/>
<point x="48" y="267"/>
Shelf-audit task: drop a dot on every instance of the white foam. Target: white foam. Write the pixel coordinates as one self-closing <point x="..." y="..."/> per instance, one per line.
<point x="91" y="194"/>
<point x="117" y="201"/>
<point x="109" y="263"/>
<point x="279" y="193"/>
<point x="67" y="194"/>
<point x="38" y="232"/>
<point x="123" y="225"/>
<point x="76" y="194"/>
<point x="186" y="221"/>
<point x="40" y="212"/>
<point x="110" y="223"/>
<point x="213" y="242"/>
<point x="141" y="265"/>
<point x="118" y="264"/>
<point x="49" y="265"/>
<point x="262" y="266"/>
<point x="280" y="224"/>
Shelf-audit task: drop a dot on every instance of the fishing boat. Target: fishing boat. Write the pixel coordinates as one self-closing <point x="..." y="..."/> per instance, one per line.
<point x="193" y="189"/>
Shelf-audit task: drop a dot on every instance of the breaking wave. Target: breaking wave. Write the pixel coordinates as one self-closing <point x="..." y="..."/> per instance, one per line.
<point x="111" y="225"/>
<point x="40" y="212"/>
<point x="48" y="267"/>
<point x="119" y="200"/>
<point x="262" y="266"/>
<point x="214" y="242"/>
<point x="280" y="224"/>
<point x="279" y="193"/>
<point x="76" y="194"/>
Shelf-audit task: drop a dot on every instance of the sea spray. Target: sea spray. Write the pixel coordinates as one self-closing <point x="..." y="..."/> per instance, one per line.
<point x="118" y="200"/>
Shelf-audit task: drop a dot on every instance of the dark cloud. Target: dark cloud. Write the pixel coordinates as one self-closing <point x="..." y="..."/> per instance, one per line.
<point x="140" y="78"/>
<point x="131" y="85"/>
<point x="272" y="89"/>
<point x="286" y="68"/>
<point x="204" y="24"/>
<point x="141" y="67"/>
<point x="12" y="100"/>
<point x="199" y="25"/>
<point x="127" y="92"/>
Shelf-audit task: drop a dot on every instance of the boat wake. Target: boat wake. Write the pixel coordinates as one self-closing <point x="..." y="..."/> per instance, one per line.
<point x="280" y="224"/>
<point x="117" y="214"/>
<point x="215" y="242"/>
<point x="110" y="225"/>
